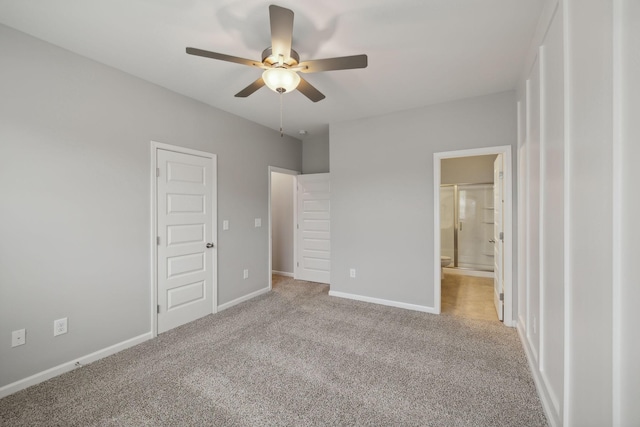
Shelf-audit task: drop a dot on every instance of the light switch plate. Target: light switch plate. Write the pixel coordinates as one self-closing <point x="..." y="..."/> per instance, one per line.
<point x="225" y="224"/>
<point x="258" y="222"/>
<point x="18" y="337"/>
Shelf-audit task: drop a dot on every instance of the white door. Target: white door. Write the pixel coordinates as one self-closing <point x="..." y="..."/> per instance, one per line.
<point x="185" y="221"/>
<point x="498" y="235"/>
<point x="313" y="237"/>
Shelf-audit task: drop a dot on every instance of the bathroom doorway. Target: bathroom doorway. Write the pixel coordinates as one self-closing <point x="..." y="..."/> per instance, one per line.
<point x="468" y="185"/>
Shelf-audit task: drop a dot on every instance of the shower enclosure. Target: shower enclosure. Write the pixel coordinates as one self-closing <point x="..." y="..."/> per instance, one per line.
<point x="466" y="225"/>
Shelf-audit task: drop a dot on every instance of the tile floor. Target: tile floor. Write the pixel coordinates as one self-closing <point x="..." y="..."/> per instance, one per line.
<point x="468" y="296"/>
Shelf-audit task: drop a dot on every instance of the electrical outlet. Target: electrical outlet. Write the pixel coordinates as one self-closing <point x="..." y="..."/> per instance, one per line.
<point x="18" y="337"/>
<point x="225" y="224"/>
<point x="59" y="327"/>
<point x="352" y="273"/>
<point x="258" y="222"/>
<point x="245" y="273"/>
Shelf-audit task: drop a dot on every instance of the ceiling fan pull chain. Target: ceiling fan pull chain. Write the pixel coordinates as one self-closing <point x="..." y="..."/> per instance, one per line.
<point x="281" y="132"/>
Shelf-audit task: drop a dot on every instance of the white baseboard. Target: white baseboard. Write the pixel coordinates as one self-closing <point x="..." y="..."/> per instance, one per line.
<point x="389" y="303"/>
<point x="282" y="273"/>
<point x="242" y="299"/>
<point x="71" y="365"/>
<point x="543" y="392"/>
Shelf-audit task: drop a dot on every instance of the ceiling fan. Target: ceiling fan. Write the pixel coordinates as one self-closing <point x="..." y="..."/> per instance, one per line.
<point x="281" y="63"/>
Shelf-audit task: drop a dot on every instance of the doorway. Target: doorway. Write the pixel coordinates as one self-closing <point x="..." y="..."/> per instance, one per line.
<point x="282" y="222"/>
<point x="299" y="225"/>
<point x="483" y="228"/>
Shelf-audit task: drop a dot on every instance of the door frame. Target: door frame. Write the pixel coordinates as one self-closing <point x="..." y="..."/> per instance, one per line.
<point x="295" y="218"/>
<point x="155" y="146"/>
<point x="505" y="150"/>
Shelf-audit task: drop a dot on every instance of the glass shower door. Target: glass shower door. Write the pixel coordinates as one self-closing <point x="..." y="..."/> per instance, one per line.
<point x="475" y="226"/>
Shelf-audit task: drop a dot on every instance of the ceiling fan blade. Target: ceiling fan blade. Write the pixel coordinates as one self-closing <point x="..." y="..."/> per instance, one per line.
<point x="330" y="64"/>
<point x="309" y="91"/>
<point x="281" y="31"/>
<point x="250" y="89"/>
<point x="223" y="57"/>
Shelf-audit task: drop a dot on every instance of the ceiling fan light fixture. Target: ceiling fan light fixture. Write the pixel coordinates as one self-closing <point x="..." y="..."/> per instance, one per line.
<point x="281" y="80"/>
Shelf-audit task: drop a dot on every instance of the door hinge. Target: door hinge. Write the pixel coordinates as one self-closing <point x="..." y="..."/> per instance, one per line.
<point x="297" y="264"/>
<point x="157" y="172"/>
<point x="298" y="226"/>
<point x="158" y="308"/>
<point x="502" y="235"/>
<point x="158" y="240"/>
<point x="501" y="297"/>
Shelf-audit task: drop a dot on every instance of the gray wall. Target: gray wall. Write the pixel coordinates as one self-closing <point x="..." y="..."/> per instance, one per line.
<point x="467" y="170"/>
<point x="315" y="154"/>
<point x="282" y="220"/>
<point x="75" y="184"/>
<point x="382" y="191"/>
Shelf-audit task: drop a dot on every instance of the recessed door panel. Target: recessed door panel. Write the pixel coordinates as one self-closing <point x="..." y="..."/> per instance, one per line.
<point x="181" y="234"/>
<point x="179" y="172"/>
<point x="316" y="224"/>
<point x="317" y="245"/>
<point x="317" y="264"/>
<point x="185" y="203"/>
<point x="320" y="206"/>
<point x="192" y="292"/>
<point x="185" y="264"/>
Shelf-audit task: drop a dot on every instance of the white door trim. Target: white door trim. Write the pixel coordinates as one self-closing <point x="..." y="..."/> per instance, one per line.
<point x="155" y="146"/>
<point x="295" y="217"/>
<point x="508" y="225"/>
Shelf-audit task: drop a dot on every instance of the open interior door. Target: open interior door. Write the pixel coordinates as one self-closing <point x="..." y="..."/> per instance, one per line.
<point x="313" y="234"/>
<point x="498" y="236"/>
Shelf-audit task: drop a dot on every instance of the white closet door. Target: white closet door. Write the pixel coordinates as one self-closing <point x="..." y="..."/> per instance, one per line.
<point x="185" y="232"/>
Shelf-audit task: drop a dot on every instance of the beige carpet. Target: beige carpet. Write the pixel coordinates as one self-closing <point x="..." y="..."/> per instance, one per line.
<point x="297" y="357"/>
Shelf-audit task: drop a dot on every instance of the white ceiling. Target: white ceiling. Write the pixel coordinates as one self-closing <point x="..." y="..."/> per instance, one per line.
<point x="420" y="52"/>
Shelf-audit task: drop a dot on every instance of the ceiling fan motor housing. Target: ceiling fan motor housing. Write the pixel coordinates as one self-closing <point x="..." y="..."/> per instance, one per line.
<point x="268" y="58"/>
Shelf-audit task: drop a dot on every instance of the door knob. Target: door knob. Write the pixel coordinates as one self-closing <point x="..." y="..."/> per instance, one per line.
<point x="209" y="245"/>
<point x="492" y="241"/>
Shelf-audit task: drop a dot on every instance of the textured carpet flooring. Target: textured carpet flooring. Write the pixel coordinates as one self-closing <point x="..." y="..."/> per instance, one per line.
<point x="298" y="357"/>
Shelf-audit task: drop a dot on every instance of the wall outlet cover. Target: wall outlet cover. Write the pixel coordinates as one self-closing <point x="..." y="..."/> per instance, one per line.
<point x="59" y="327"/>
<point x="225" y="224"/>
